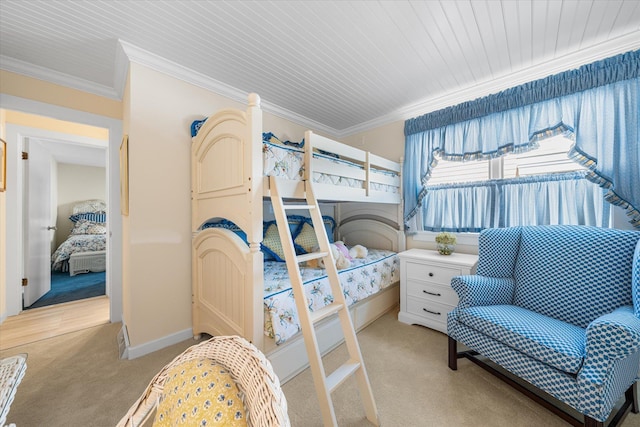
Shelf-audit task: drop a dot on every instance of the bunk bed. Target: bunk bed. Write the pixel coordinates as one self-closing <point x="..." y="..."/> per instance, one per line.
<point x="231" y="165"/>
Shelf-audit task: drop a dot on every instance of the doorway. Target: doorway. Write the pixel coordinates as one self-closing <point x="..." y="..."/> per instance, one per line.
<point x="70" y="202"/>
<point x="14" y="246"/>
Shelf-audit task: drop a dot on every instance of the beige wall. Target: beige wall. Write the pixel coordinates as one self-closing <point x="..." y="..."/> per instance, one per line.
<point x="50" y="93"/>
<point x="76" y="183"/>
<point x="3" y="226"/>
<point x="55" y="125"/>
<point x="386" y="141"/>
<point x="157" y="232"/>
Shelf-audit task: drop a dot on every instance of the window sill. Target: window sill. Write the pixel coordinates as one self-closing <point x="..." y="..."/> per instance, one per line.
<point x="470" y="239"/>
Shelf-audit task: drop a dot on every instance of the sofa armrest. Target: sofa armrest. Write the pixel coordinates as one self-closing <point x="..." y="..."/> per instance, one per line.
<point x="611" y="337"/>
<point x="477" y="290"/>
<point x="614" y="335"/>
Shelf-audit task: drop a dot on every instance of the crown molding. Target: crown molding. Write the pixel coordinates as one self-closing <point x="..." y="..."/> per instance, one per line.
<point x="594" y="53"/>
<point x="17" y="66"/>
<point x="120" y="70"/>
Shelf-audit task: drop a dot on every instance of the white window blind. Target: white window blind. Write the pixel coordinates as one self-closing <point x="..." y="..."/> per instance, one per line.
<point x="550" y="157"/>
<point x="448" y="172"/>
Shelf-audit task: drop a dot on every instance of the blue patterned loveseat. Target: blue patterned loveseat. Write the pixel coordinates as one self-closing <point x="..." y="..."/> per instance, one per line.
<point x="558" y="306"/>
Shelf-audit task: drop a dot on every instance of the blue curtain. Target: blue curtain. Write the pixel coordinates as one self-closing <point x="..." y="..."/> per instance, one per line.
<point x="472" y="207"/>
<point x="597" y="104"/>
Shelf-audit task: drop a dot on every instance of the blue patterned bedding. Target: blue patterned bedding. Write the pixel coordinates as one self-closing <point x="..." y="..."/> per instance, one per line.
<point x="288" y="162"/>
<point x="364" y="278"/>
<point x="286" y="159"/>
<point x="76" y="243"/>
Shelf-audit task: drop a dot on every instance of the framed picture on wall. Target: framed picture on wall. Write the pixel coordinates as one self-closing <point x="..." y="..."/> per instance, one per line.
<point x="124" y="176"/>
<point x="3" y="165"/>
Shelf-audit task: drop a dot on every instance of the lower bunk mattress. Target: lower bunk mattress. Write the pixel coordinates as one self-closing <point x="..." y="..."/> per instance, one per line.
<point x="366" y="276"/>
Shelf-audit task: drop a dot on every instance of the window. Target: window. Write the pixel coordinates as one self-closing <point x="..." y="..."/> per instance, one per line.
<point x="448" y="171"/>
<point x="539" y="186"/>
<point x="550" y="157"/>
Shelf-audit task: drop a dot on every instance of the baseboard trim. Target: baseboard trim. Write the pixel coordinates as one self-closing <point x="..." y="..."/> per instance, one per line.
<point x="155" y="345"/>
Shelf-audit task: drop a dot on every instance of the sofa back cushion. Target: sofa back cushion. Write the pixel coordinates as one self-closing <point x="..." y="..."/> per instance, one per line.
<point x="574" y="273"/>
<point x="497" y="250"/>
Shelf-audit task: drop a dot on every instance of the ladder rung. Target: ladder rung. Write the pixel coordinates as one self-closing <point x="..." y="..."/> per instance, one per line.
<point x="293" y="207"/>
<point x="310" y="256"/>
<point x="338" y="376"/>
<point x="324" y="312"/>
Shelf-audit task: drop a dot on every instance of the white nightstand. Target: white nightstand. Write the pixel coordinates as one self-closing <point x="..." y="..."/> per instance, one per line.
<point x="426" y="295"/>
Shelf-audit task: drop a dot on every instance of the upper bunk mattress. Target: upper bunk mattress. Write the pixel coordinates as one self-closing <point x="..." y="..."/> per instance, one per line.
<point x="365" y="277"/>
<point x="288" y="162"/>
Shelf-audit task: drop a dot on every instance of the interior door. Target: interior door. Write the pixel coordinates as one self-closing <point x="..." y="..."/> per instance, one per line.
<point x="38" y="215"/>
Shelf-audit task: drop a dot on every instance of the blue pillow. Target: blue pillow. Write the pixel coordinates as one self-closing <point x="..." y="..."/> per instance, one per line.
<point x="93" y="217"/>
<point x="226" y="224"/>
<point x="271" y="246"/>
<point x="270" y="137"/>
<point x="195" y="127"/>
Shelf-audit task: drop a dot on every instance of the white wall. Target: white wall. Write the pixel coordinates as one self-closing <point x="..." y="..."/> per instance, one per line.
<point x="76" y="183"/>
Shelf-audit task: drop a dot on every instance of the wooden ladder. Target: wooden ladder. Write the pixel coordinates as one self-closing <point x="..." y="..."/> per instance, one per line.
<point x="355" y="365"/>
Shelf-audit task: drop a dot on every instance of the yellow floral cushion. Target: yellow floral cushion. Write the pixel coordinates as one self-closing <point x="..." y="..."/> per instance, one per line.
<point x="306" y="238"/>
<point x="200" y="392"/>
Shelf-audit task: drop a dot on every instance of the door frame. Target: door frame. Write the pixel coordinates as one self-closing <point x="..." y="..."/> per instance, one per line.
<point x="14" y="209"/>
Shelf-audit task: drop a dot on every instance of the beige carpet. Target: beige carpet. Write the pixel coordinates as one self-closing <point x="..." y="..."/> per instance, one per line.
<point x="78" y="380"/>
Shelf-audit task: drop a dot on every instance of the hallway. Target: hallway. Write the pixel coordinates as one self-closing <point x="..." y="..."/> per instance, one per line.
<point x="46" y="322"/>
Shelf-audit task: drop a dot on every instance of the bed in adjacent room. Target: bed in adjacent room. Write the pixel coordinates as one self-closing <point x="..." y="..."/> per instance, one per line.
<point x="84" y="249"/>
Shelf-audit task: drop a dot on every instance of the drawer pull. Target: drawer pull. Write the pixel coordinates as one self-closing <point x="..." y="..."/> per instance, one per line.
<point x="432" y="312"/>
<point x="430" y="274"/>
<point x="432" y="293"/>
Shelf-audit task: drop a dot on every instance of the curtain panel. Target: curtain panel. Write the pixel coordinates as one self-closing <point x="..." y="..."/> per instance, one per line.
<point x="597" y="105"/>
<point x="535" y="200"/>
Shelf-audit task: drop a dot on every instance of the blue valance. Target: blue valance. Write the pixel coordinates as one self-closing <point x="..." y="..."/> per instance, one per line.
<point x="621" y="67"/>
<point x="603" y="121"/>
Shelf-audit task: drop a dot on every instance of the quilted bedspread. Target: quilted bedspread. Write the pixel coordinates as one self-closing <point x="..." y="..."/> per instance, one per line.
<point x="364" y="278"/>
<point x="76" y="243"/>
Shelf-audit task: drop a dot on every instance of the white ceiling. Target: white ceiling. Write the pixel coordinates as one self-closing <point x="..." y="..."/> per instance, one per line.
<point x="76" y="153"/>
<point x="338" y="66"/>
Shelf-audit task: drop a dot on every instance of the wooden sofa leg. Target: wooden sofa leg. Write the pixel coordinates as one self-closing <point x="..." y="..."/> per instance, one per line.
<point x="453" y="354"/>
<point x="591" y="422"/>
<point x="632" y="395"/>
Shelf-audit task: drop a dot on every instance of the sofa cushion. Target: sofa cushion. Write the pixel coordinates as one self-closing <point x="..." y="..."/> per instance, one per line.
<point x="556" y="343"/>
<point x="574" y="273"/>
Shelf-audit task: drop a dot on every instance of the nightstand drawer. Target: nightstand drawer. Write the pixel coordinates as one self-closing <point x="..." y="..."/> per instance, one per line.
<point x="426" y="295"/>
<point x="428" y="309"/>
<point x="437" y="293"/>
<point x="431" y="273"/>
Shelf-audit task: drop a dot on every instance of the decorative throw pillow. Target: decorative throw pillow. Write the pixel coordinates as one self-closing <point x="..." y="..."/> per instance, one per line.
<point x="306" y="238"/>
<point x="95" y="217"/>
<point x="271" y="243"/>
<point x="200" y="392"/>
<point x="90" y="206"/>
<point x="84" y="226"/>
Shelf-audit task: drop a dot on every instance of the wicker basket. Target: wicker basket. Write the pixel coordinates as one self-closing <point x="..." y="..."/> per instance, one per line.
<point x="265" y="402"/>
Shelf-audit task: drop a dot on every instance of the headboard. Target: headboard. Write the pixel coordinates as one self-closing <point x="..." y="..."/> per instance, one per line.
<point x="372" y="234"/>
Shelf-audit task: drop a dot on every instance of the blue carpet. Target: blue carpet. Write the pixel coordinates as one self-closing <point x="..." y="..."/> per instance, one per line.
<point x="65" y="288"/>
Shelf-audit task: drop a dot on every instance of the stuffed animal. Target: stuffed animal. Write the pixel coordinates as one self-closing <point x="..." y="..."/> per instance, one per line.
<point x="341" y="254"/>
<point x="358" y="251"/>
